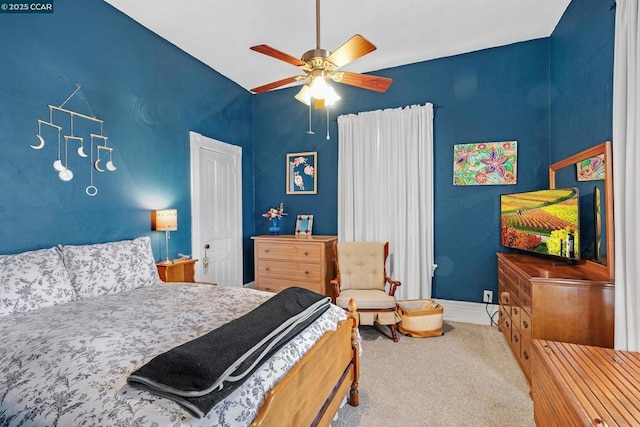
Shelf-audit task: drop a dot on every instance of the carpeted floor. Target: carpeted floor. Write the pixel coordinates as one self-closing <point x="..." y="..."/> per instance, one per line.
<point x="467" y="377"/>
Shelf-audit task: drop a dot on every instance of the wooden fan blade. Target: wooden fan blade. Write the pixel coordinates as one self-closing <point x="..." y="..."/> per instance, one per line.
<point x="353" y="49"/>
<point x="275" y="53"/>
<point x="377" y="83"/>
<point x="273" y="85"/>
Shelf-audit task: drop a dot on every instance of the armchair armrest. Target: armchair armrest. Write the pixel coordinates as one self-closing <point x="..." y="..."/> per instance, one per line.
<point x="394" y="284"/>
<point x="336" y="288"/>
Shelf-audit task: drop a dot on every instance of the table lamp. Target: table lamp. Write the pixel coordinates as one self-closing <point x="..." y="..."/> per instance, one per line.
<point x="165" y="220"/>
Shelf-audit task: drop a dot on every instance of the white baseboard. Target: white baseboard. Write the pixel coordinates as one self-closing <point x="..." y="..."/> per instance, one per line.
<point x="455" y="311"/>
<point x="468" y="312"/>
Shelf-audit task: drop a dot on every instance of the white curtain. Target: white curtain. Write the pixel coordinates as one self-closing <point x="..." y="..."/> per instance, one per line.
<point x="626" y="181"/>
<point x="385" y="190"/>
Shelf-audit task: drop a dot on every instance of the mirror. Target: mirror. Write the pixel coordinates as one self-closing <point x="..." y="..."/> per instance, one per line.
<point x="583" y="170"/>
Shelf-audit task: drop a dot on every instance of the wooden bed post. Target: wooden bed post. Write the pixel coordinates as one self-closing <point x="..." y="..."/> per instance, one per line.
<point x="354" y="395"/>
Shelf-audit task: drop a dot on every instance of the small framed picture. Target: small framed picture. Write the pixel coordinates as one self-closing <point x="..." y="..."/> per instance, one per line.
<point x="302" y="176"/>
<point x="304" y="224"/>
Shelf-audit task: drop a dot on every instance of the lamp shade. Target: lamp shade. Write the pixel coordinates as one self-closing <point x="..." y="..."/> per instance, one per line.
<point x="164" y="220"/>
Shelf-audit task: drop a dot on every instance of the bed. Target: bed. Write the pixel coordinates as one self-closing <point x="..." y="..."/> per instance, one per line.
<point x="75" y="321"/>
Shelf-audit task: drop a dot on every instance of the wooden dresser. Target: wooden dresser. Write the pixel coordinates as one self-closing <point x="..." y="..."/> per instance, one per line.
<point x="578" y="385"/>
<point x="285" y="261"/>
<point x="543" y="299"/>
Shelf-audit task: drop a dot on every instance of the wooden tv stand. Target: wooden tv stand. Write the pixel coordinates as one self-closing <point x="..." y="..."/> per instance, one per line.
<point x="543" y="299"/>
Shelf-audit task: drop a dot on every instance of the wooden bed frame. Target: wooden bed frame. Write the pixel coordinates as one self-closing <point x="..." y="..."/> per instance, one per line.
<point x="312" y="391"/>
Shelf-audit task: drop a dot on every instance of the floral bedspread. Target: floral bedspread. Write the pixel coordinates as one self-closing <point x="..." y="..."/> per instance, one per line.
<point x="67" y="365"/>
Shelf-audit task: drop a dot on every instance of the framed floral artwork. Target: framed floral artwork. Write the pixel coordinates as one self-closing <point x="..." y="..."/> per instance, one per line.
<point x="304" y="224"/>
<point x="302" y="176"/>
<point x="485" y="163"/>
<point x="591" y="169"/>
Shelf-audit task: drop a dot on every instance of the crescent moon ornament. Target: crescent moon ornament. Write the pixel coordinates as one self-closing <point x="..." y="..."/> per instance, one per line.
<point x="57" y="165"/>
<point x="96" y="165"/>
<point x="81" y="152"/>
<point x="65" y="175"/>
<point x="110" y="166"/>
<point x="39" y="146"/>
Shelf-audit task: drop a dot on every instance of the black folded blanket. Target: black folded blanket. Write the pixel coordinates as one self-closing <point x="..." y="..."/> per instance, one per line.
<point x="202" y="372"/>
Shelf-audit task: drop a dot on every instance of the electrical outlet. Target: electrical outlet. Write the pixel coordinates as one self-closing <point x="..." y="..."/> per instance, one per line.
<point x="487" y="296"/>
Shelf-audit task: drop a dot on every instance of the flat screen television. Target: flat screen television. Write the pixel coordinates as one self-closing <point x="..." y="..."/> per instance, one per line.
<point x="545" y="222"/>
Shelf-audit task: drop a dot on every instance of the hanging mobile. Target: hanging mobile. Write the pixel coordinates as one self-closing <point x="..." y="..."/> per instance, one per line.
<point x="63" y="170"/>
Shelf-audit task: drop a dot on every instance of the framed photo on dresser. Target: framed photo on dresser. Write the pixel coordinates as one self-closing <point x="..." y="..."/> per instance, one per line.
<point x="304" y="224"/>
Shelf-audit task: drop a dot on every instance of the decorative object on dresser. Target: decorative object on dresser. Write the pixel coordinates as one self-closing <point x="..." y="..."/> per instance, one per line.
<point x="180" y="270"/>
<point x="543" y="299"/>
<point x="361" y="275"/>
<point x="285" y="261"/>
<point x="578" y="385"/>
<point x="165" y="220"/>
<point x="302" y="173"/>
<point x="274" y="215"/>
<point x="304" y="224"/>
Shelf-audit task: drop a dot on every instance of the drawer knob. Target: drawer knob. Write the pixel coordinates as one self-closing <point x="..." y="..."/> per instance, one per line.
<point x="306" y="272"/>
<point x="515" y="310"/>
<point x="306" y="253"/>
<point x="266" y="268"/>
<point x="515" y="338"/>
<point x="525" y="324"/>
<point x="525" y="355"/>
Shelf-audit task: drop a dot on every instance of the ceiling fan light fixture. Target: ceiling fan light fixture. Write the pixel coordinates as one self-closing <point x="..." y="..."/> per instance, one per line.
<point x="304" y="95"/>
<point x="331" y="96"/>
<point x="319" y="87"/>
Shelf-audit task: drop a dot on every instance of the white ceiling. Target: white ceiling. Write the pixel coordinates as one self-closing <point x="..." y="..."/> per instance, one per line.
<point x="405" y="31"/>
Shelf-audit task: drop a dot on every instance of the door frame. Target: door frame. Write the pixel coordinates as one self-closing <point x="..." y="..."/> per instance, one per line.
<point x="198" y="141"/>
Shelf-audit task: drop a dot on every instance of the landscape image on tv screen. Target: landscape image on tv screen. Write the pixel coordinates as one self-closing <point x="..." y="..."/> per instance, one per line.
<point x="543" y="221"/>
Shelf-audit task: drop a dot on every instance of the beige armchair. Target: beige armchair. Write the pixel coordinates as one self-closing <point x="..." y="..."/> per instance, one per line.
<point x="361" y="274"/>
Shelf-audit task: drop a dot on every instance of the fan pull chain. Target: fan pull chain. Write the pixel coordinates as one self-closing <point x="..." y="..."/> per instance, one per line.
<point x="328" y="137"/>
<point x="310" y="132"/>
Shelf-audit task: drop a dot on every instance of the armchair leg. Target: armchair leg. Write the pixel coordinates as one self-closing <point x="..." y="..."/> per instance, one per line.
<point x="394" y="336"/>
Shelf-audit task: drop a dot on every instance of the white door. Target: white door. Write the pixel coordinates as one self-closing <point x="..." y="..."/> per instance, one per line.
<point x="216" y="206"/>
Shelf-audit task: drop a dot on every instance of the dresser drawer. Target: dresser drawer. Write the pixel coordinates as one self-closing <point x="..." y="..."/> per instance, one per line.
<point x="277" y="285"/>
<point x="306" y="252"/>
<point x="525" y="325"/>
<point x="515" y="314"/>
<point x="525" y="356"/>
<point x="515" y="341"/>
<point x="289" y="270"/>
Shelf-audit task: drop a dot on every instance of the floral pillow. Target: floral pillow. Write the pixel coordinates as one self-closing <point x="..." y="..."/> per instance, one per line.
<point x="108" y="268"/>
<point x="30" y="280"/>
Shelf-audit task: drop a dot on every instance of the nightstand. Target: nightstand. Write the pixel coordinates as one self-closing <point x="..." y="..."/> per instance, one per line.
<point x="180" y="270"/>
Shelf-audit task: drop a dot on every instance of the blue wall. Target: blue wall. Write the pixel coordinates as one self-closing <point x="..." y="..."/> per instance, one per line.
<point x="491" y="95"/>
<point x="581" y="94"/>
<point x="149" y="94"/>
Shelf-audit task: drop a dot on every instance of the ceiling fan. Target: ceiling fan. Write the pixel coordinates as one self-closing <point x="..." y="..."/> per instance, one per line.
<point x="321" y="65"/>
